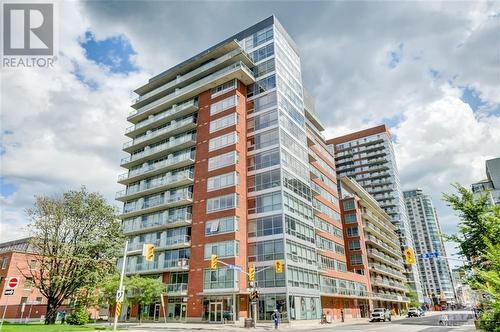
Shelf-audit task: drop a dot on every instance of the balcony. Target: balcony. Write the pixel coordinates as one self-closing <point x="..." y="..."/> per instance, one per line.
<point x="220" y="62"/>
<point x="327" y="290"/>
<point x="235" y="71"/>
<point x="375" y="254"/>
<point x="158" y="266"/>
<point x="387" y="271"/>
<point x="137" y="225"/>
<point x="172" y="242"/>
<point x="177" y="289"/>
<point x="179" y="179"/>
<point x="393" y="241"/>
<point x="175" y="127"/>
<point x="141" y="207"/>
<point x="392" y="297"/>
<point x="176" y="144"/>
<point x="381" y="245"/>
<point x="175" y="111"/>
<point x="379" y="282"/>
<point x="386" y="225"/>
<point x="178" y="161"/>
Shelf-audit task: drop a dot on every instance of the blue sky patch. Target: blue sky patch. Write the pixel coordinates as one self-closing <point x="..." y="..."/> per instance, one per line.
<point x="114" y="53"/>
<point x="92" y="85"/>
<point x="6" y="188"/>
<point x="396" y="56"/>
<point x="434" y="73"/>
<point x="471" y="97"/>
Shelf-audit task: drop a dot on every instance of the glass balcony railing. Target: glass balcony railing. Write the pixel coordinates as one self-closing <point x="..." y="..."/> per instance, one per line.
<point x="137" y="224"/>
<point x="193" y="73"/>
<point x="192" y="87"/>
<point x="343" y="291"/>
<point x="176" y="240"/>
<point x="180" y="264"/>
<point x="391" y="240"/>
<point x="141" y="205"/>
<point x="159" y="165"/>
<point x="378" y="267"/>
<point x="138" y="245"/>
<point x="165" y="146"/>
<point x="166" y="180"/>
<point x="387" y="283"/>
<point x="165" y="114"/>
<point x="385" y="257"/>
<point x="165" y="130"/>
<point x="177" y="288"/>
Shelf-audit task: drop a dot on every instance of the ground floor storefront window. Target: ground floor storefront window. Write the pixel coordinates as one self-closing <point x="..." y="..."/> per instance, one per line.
<point x="268" y="303"/>
<point x="219" y="309"/>
<point x="303" y="307"/>
<point x="176" y="308"/>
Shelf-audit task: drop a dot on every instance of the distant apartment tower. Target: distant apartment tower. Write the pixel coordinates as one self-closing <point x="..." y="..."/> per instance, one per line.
<point x="372" y="246"/>
<point x="435" y="273"/>
<point x="368" y="157"/>
<point x="227" y="158"/>
<point x="491" y="183"/>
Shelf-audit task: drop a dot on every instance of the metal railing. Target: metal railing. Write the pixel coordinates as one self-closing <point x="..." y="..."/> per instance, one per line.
<point x="170" y="179"/>
<point x="136" y="206"/>
<point x="138" y="224"/>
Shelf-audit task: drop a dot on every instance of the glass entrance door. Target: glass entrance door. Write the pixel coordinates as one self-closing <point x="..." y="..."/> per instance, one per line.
<point x="156" y="313"/>
<point x="215" y="312"/>
<point x="183" y="311"/>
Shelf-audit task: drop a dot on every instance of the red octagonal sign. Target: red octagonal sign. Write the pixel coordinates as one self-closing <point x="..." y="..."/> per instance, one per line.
<point x="13" y="282"/>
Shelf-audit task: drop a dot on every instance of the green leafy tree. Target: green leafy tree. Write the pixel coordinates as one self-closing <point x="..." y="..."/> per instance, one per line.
<point x="477" y="223"/>
<point x="412" y="295"/>
<point x="76" y="238"/>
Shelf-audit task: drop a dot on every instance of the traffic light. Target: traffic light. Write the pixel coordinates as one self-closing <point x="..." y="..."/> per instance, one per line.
<point x="278" y="266"/>
<point x="148" y="251"/>
<point x="409" y="256"/>
<point x="213" y="261"/>
<point x="251" y="273"/>
<point x="254" y="295"/>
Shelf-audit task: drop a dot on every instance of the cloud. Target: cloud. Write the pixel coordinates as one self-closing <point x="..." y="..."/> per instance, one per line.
<point x="69" y="130"/>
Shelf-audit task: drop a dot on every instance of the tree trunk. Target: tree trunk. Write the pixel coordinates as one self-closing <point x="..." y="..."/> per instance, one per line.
<point x="51" y="315"/>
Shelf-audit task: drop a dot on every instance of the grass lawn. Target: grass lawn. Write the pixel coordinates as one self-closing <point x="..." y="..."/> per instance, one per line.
<point x="48" y="328"/>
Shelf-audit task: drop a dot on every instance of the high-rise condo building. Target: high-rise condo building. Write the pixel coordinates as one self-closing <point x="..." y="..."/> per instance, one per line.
<point x="227" y="158"/>
<point x="435" y="273"/>
<point x="368" y="157"/>
<point x="372" y="246"/>
<point x="491" y="185"/>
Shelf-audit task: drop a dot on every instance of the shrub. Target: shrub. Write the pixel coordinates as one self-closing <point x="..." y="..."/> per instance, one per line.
<point x="79" y="317"/>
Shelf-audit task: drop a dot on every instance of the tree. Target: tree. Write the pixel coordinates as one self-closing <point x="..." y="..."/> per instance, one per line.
<point x="412" y="295"/>
<point x="139" y="290"/>
<point x="477" y="222"/>
<point x="76" y="238"/>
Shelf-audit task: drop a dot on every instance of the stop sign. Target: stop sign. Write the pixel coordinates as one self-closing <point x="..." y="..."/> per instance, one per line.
<point x="13" y="282"/>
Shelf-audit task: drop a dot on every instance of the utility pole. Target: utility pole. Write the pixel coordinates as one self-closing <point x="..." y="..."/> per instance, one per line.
<point x="121" y="291"/>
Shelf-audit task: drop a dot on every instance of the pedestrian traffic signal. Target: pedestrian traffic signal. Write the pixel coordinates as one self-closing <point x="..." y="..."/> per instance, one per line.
<point x="278" y="266"/>
<point x="148" y="251"/>
<point x="409" y="256"/>
<point x="254" y="295"/>
<point x="213" y="262"/>
<point x="251" y="273"/>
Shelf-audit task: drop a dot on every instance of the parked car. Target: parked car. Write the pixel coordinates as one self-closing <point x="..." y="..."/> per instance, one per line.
<point x="414" y="312"/>
<point x="380" y="314"/>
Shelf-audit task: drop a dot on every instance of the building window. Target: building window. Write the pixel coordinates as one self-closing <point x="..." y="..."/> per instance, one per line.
<point x="24" y="299"/>
<point x="223" y="88"/>
<point x="350" y="218"/>
<point x="300" y="253"/>
<point x="352" y="231"/>
<point x="223" y="160"/>
<point x="224" y="122"/>
<point x="299" y="277"/>
<point x="265" y="203"/>
<point x="222" y="181"/>
<point x="223" y="141"/>
<point x="222" y="225"/>
<point x="28" y="283"/>
<point x="222" y="249"/>
<point x="354" y="245"/>
<point x="263" y="160"/>
<point x="299" y="229"/>
<point x="265" y="251"/>
<point x="264" y="180"/>
<point x="356" y="260"/>
<point x="220" y="278"/>
<point x="264" y="226"/>
<point x="349" y="205"/>
<point x="5" y="262"/>
<point x="221" y="203"/>
<point x="263" y="140"/>
<point x="223" y="105"/>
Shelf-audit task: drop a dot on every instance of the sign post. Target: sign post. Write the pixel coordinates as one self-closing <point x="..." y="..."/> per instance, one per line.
<point x="120" y="294"/>
<point x="11" y="284"/>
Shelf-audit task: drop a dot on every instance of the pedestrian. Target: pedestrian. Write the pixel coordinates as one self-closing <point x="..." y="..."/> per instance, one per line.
<point x="342" y="315"/>
<point x="276" y="317"/>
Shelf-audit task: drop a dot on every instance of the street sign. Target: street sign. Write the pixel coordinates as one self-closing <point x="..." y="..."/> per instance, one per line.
<point x="12" y="282"/>
<point x="120" y="294"/>
<point x="429" y="255"/>
<point x="234" y="267"/>
<point x="9" y="292"/>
